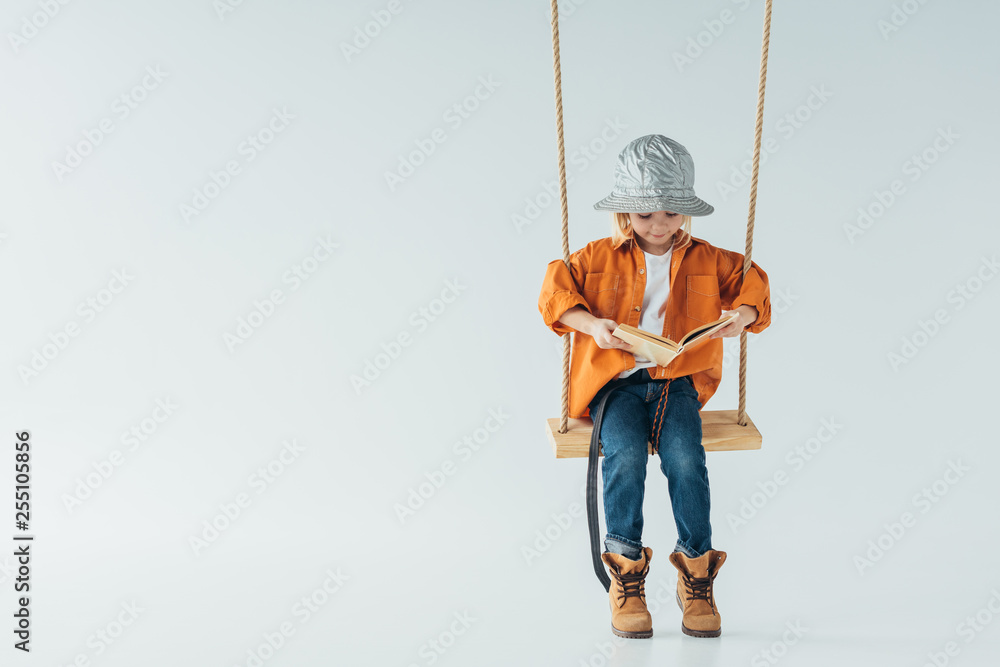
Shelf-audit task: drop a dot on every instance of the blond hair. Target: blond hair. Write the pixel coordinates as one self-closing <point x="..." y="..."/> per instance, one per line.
<point x="621" y="230"/>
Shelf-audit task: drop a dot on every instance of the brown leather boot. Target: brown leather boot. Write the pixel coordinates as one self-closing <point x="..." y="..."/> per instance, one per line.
<point x="627" y="595"/>
<point x="694" y="592"/>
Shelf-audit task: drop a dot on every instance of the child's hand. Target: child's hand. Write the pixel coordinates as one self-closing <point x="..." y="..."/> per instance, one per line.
<point x="747" y="316"/>
<point x="601" y="331"/>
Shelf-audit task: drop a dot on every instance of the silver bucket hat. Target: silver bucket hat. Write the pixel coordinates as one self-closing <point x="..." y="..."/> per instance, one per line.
<point x="654" y="173"/>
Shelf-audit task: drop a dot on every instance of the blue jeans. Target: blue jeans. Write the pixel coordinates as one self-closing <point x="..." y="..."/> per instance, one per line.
<point x="625" y="431"/>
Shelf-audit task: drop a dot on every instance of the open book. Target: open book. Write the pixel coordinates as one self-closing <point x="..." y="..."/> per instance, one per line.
<point x="663" y="350"/>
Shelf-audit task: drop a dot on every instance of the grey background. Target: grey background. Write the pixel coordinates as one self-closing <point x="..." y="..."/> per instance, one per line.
<point x="846" y="306"/>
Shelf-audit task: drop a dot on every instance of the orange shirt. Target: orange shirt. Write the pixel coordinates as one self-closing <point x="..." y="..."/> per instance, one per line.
<point x="609" y="282"/>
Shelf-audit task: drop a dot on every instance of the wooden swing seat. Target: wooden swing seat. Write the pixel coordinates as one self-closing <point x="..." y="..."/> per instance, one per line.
<point x="719" y="429"/>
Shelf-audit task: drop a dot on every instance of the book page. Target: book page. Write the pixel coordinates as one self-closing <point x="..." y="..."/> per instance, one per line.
<point x="706" y="330"/>
<point x="644" y="334"/>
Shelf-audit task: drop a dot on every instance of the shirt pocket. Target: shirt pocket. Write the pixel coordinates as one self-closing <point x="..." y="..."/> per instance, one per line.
<point x="703" y="301"/>
<point x="600" y="291"/>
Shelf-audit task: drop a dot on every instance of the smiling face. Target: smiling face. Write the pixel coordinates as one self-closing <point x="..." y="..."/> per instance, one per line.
<point x="654" y="232"/>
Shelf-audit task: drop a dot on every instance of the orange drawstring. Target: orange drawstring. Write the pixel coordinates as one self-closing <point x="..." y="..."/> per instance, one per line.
<point x="658" y="421"/>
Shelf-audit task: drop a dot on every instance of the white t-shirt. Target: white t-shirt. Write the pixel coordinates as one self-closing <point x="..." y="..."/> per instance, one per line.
<point x="654" y="303"/>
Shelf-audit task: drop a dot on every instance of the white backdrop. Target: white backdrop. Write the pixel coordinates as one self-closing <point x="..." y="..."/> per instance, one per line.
<point x="271" y="273"/>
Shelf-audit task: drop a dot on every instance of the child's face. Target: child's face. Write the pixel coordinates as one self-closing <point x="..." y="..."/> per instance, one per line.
<point x="656" y="229"/>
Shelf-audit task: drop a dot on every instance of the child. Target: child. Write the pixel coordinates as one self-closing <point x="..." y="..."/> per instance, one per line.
<point x="652" y="274"/>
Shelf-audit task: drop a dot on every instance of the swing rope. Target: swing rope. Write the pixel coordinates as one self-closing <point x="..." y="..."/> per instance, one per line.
<point x="564" y="202"/>
<point x="563" y="199"/>
<point x="741" y="418"/>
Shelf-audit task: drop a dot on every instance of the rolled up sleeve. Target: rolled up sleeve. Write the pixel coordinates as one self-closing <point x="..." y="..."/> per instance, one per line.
<point x="560" y="292"/>
<point x="752" y="290"/>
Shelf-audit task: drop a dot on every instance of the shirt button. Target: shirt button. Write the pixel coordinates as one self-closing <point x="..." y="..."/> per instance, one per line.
<point x="637" y="307"/>
<point x="642" y="271"/>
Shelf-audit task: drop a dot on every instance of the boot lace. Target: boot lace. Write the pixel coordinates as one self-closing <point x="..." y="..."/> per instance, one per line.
<point x="700" y="588"/>
<point x="633" y="585"/>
